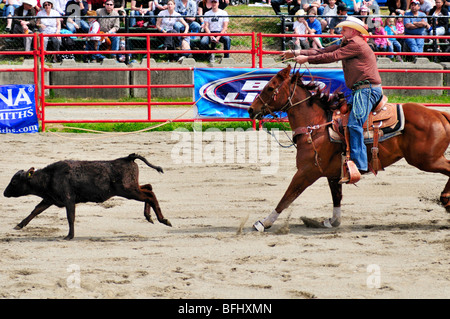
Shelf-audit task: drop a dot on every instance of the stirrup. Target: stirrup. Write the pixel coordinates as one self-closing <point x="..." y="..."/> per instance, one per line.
<point x="351" y="174"/>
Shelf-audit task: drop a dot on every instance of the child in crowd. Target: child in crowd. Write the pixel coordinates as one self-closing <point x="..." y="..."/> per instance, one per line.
<point x="315" y="28"/>
<point x="391" y="29"/>
<point x="93" y="43"/>
<point x="383" y="44"/>
<point x="329" y="10"/>
<point x="399" y="25"/>
<point x="301" y="27"/>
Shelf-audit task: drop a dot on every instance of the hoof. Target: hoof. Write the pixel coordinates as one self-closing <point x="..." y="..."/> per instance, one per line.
<point x="166" y="222"/>
<point x="68" y="237"/>
<point x="259" y="226"/>
<point x="18" y="227"/>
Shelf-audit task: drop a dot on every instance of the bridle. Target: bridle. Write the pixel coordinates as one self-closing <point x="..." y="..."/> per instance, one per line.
<point x="300" y="130"/>
<point x="286" y="107"/>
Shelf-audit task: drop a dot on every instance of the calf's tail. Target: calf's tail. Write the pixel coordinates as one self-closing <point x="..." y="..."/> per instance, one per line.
<point x="134" y="156"/>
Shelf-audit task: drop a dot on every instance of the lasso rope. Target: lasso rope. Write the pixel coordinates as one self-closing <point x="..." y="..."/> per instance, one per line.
<point x="109" y="134"/>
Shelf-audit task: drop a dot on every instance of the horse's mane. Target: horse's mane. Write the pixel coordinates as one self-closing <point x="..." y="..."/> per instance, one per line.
<point x="320" y="96"/>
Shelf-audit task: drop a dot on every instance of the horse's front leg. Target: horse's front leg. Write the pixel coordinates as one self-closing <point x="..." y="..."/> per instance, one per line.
<point x="298" y="184"/>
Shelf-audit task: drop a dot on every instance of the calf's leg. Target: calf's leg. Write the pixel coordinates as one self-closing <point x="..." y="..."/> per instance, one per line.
<point x="43" y="205"/>
<point x="151" y="201"/>
<point x="70" y="210"/>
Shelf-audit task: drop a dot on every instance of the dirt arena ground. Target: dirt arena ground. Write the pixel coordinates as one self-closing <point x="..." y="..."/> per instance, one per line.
<point x="394" y="241"/>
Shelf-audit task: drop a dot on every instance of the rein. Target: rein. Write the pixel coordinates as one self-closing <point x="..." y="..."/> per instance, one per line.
<point x="308" y="130"/>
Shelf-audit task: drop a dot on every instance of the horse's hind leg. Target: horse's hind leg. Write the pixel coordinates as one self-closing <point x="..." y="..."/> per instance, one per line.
<point x="336" y="194"/>
<point x="335" y="220"/>
<point x="442" y="165"/>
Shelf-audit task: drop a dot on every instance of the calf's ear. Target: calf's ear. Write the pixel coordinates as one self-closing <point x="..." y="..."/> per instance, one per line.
<point x="30" y="172"/>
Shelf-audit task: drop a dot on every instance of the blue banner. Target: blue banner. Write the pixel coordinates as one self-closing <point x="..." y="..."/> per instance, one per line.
<point x="228" y="93"/>
<point x="18" y="109"/>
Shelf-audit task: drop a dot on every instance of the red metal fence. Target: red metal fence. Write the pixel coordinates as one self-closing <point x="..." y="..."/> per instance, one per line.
<point x="40" y="69"/>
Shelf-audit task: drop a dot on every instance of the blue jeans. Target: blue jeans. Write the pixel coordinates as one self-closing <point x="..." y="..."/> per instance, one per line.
<point x="134" y="14"/>
<point x="363" y="101"/>
<point x="415" y="44"/>
<point x="115" y="42"/>
<point x="93" y="46"/>
<point x="205" y="41"/>
<point x="9" y="9"/>
<point x="194" y="27"/>
<point x="84" y="27"/>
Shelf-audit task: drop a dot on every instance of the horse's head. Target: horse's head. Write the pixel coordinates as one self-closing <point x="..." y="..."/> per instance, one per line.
<point x="273" y="97"/>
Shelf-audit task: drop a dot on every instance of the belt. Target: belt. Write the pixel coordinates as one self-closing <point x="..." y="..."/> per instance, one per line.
<point x="365" y="86"/>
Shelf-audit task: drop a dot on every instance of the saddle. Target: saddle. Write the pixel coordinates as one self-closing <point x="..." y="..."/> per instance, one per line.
<point x="386" y="120"/>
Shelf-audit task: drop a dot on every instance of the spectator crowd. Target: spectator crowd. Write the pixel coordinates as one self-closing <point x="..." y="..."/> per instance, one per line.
<point x="99" y="18"/>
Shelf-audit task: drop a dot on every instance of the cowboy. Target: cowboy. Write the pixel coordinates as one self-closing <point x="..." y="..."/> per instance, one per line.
<point x="361" y="76"/>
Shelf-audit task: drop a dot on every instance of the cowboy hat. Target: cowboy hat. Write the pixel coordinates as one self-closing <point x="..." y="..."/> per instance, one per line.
<point x="300" y="12"/>
<point x="354" y="23"/>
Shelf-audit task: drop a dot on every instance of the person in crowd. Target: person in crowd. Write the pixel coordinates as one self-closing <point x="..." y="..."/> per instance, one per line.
<point x="216" y="21"/>
<point x="397" y="7"/>
<point x="391" y="29"/>
<point x="74" y="9"/>
<point x="329" y="10"/>
<point x="60" y="6"/>
<point x="353" y="6"/>
<point x="369" y="25"/>
<point x="109" y="25"/>
<point x="25" y="25"/>
<point x="159" y="5"/>
<point x="301" y="27"/>
<point x="93" y="43"/>
<point x="314" y="28"/>
<point x="333" y="26"/>
<point x="439" y="19"/>
<point x="382" y="44"/>
<point x="295" y="5"/>
<point x="364" y="12"/>
<point x="361" y="76"/>
<point x="165" y="22"/>
<point x="119" y="6"/>
<point x="141" y="8"/>
<point x="95" y="4"/>
<point x="415" y="24"/>
<point x="188" y="9"/>
<point x="307" y="5"/>
<point x="8" y="11"/>
<point x="49" y="25"/>
<point x="372" y="5"/>
<point x="202" y="7"/>
<point x="224" y="3"/>
<point x="425" y="6"/>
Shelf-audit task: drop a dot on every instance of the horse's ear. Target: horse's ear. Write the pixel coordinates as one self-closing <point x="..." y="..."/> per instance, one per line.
<point x="295" y="77"/>
<point x="285" y="72"/>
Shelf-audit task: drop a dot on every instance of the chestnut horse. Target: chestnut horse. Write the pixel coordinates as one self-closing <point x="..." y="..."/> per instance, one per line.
<point x="422" y="143"/>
